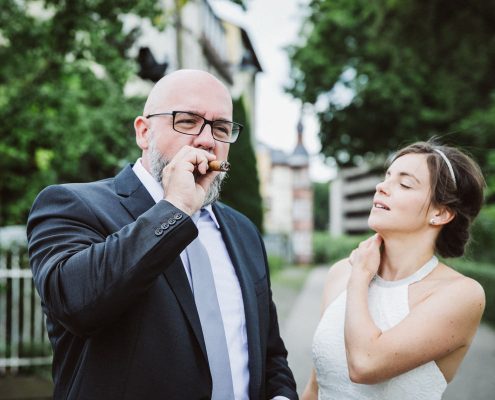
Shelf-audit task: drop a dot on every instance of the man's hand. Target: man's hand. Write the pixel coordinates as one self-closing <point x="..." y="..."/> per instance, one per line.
<point x="186" y="178"/>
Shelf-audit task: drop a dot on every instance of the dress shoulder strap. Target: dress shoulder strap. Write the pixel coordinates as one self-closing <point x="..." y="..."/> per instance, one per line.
<point x="417" y="276"/>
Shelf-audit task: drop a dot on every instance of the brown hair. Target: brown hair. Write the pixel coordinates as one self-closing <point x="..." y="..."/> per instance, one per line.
<point x="462" y="195"/>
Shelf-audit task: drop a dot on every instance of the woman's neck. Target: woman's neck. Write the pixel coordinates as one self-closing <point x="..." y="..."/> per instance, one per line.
<point x="403" y="256"/>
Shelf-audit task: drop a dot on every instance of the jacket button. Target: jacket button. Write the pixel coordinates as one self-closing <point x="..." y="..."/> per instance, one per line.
<point x="164" y="226"/>
<point x="158" y="231"/>
<point x="171" y="221"/>
<point x="178" y="216"/>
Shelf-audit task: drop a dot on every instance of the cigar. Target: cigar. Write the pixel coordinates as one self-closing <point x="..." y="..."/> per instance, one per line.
<point x="216" y="165"/>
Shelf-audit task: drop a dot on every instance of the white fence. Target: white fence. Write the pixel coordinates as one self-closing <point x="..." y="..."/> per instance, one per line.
<point x="23" y="338"/>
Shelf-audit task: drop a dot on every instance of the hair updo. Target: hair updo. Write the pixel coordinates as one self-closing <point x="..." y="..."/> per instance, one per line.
<point x="464" y="196"/>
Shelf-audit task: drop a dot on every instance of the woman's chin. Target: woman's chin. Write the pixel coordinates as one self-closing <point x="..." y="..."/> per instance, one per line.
<point x="374" y="225"/>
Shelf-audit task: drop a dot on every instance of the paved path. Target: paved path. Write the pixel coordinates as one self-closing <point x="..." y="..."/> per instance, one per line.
<point x="474" y="381"/>
<point x="25" y="388"/>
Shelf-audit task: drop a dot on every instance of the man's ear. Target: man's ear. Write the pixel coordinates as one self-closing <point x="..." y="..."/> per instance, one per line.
<point x="443" y="215"/>
<point x="142" y="132"/>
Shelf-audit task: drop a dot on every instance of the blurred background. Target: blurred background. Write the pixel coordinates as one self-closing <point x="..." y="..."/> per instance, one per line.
<point x="327" y="90"/>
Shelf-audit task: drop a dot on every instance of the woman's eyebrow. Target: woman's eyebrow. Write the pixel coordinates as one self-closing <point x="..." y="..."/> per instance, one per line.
<point x="403" y="173"/>
<point x="410" y="175"/>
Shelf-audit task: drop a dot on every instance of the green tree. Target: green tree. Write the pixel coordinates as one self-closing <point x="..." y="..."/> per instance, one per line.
<point x="320" y="206"/>
<point x="63" y="112"/>
<point x="415" y="68"/>
<point x="62" y="105"/>
<point x="241" y="187"/>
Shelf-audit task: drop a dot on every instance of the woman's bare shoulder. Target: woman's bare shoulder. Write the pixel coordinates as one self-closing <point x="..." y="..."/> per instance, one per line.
<point x="462" y="283"/>
<point x="462" y="292"/>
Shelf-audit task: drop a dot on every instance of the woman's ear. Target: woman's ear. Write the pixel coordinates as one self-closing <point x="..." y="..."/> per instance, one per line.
<point x="142" y="132"/>
<point x="442" y="216"/>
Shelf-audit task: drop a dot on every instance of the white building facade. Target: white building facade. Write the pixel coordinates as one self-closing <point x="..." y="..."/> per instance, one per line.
<point x="196" y="37"/>
<point x="287" y="193"/>
<point x="351" y="198"/>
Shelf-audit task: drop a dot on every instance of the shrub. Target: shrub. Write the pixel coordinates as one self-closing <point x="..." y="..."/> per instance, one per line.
<point x="481" y="248"/>
<point x="328" y="249"/>
<point x="275" y="264"/>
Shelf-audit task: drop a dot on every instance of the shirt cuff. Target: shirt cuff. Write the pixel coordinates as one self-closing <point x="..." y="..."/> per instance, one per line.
<point x="279" y="398"/>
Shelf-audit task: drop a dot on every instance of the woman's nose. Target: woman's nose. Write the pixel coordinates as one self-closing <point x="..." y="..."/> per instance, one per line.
<point x="381" y="187"/>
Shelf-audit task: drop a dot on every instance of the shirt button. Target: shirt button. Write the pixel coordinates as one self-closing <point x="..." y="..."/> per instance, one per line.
<point x="171" y="221"/>
<point x="164" y="226"/>
<point x="178" y="216"/>
<point x="158" y="231"/>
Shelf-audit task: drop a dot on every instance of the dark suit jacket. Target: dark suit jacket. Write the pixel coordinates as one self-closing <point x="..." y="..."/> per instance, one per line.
<point x="120" y="312"/>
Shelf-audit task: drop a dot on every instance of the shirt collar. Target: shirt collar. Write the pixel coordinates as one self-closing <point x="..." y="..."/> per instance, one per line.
<point x="209" y="210"/>
<point x="154" y="188"/>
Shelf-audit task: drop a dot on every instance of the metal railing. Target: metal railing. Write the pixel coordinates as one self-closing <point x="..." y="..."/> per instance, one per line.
<point x="23" y="338"/>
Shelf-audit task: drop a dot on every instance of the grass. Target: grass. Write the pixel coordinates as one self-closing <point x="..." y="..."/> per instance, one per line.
<point x="287" y="283"/>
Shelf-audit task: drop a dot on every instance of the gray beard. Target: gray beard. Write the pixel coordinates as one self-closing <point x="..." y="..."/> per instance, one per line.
<point x="158" y="162"/>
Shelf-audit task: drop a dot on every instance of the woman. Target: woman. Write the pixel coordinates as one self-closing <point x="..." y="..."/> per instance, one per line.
<point x="397" y="322"/>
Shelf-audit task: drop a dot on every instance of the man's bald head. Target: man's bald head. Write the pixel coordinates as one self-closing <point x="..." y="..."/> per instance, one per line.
<point x="194" y="91"/>
<point x="169" y="88"/>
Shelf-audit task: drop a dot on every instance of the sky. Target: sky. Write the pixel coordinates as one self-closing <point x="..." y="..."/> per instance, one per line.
<point x="272" y="25"/>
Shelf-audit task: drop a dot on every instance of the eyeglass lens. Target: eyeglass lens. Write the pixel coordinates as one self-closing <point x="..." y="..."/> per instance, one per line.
<point x="191" y="124"/>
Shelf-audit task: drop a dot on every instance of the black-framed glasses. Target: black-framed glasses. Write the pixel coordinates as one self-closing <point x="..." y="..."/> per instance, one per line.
<point x="189" y="123"/>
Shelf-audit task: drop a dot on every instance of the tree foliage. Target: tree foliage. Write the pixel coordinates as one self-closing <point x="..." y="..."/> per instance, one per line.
<point x="63" y="112"/>
<point x="416" y="68"/>
<point x="321" y="207"/>
<point x="242" y="3"/>
<point x="241" y="187"/>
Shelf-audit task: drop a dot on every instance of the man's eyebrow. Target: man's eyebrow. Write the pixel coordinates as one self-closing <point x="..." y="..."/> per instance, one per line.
<point x="192" y="112"/>
<point x="202" y="114"/>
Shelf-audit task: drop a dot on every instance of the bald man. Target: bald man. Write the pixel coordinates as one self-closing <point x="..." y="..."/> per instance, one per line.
<point x="116" y="264"/>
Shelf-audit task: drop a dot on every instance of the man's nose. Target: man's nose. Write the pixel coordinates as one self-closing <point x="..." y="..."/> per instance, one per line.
<point x="205" y="138"/>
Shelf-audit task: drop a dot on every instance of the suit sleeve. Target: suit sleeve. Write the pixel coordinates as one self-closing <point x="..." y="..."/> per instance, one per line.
<point x="87" y="277"/>
<point x="279" y="378"/>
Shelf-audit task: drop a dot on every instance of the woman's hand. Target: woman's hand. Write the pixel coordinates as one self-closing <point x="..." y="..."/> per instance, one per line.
<point x="366" y="258"/>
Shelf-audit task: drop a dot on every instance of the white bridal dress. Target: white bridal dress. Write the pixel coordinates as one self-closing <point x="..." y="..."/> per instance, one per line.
<point x="388" y="304"/>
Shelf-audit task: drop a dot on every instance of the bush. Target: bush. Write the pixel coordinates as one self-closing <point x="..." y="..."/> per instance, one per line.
<point x="483" y="236"/>
<point x="328" y="249"/>
<point x="275" y="264"/>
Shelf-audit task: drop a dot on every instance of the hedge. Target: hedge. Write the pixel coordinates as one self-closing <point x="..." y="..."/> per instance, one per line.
<point x="329" y="249"/>
<point x="482" y="244"/>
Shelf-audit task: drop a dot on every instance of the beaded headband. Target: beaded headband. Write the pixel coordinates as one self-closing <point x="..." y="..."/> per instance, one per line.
<point x="449" y="165"/>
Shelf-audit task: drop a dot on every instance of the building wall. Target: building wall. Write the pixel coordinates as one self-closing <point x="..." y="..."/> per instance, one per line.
<point x="302" y="215"/>
<point x="351" y="199"/>
<point x="203" y="41"/>
<point x="287" y="193"/>
<point x="279" y="207"/>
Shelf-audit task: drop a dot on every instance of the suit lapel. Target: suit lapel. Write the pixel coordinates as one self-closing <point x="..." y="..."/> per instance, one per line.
<point x="134" y="196"/>
<point x="137" y="200"/>
<point x="232" y="238"/>
<point x="177" y="279"/>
